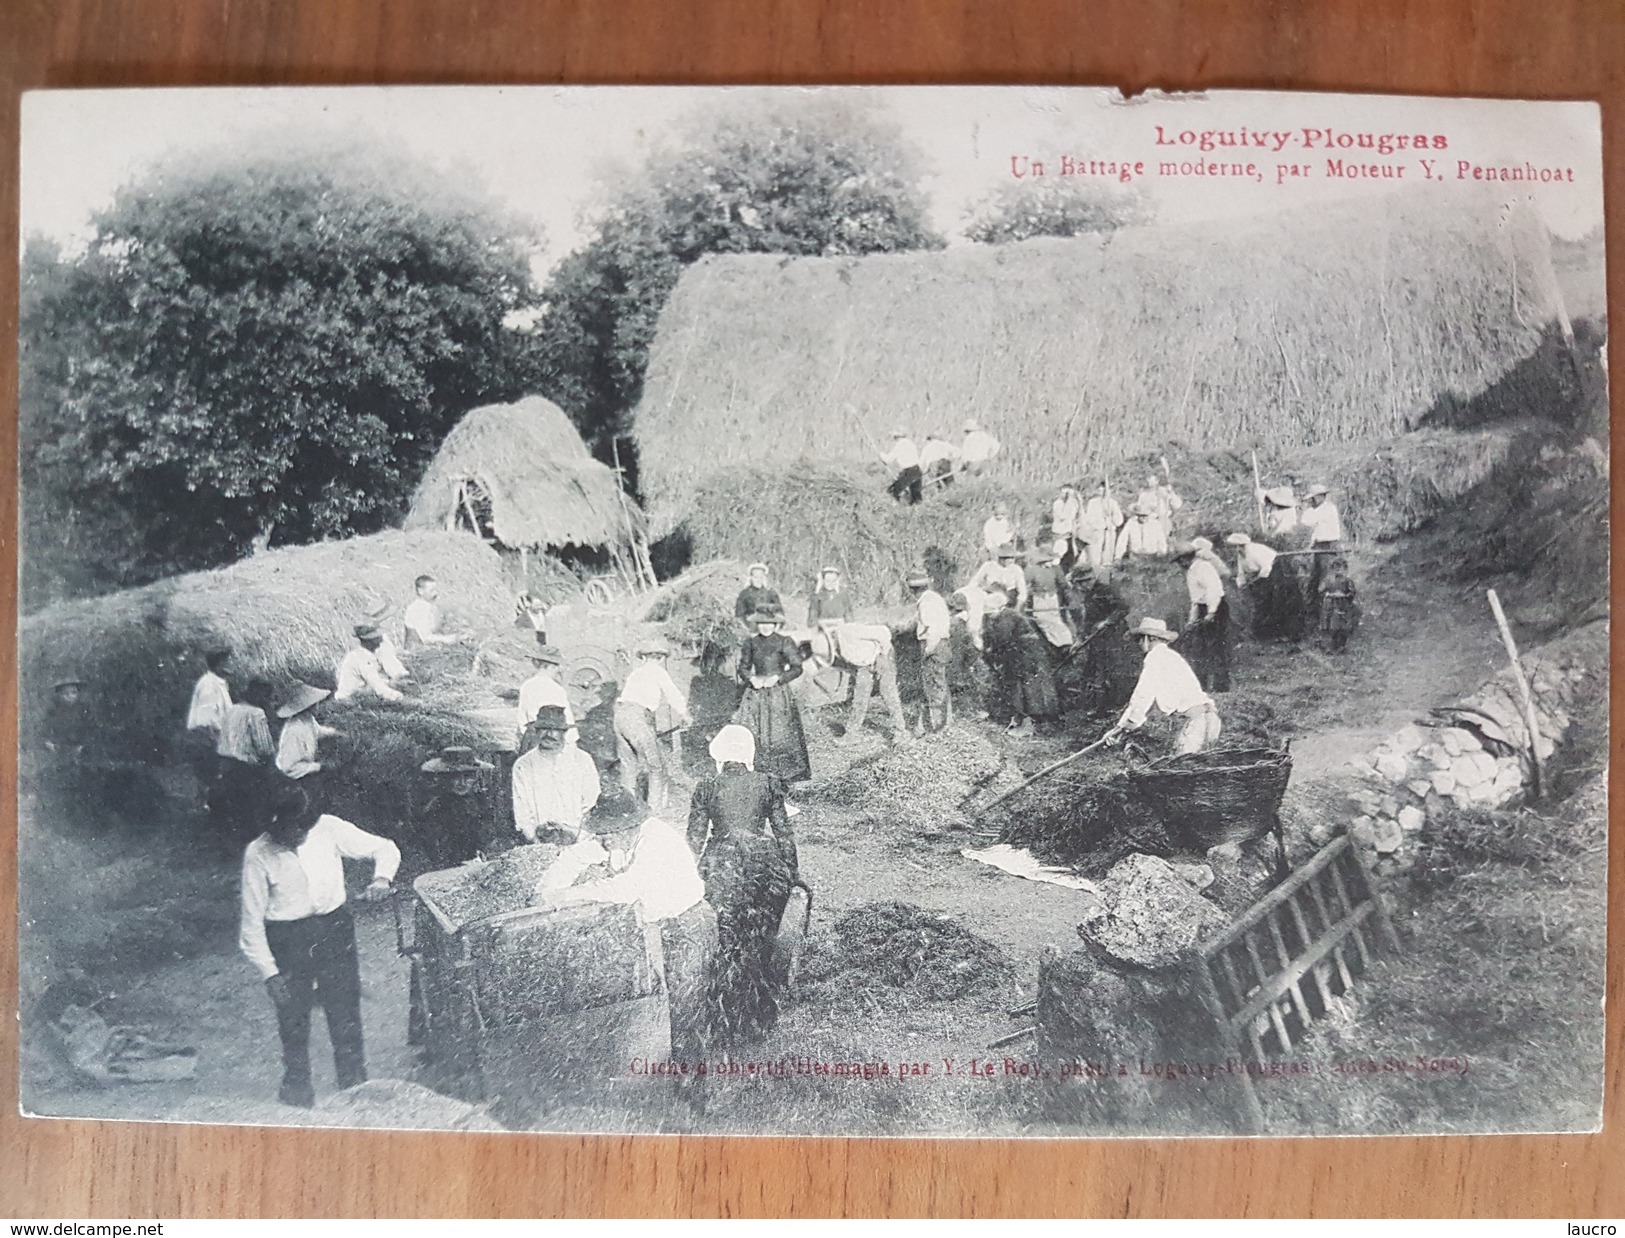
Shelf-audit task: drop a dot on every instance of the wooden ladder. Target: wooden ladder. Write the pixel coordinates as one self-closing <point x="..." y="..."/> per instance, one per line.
<point x="1268" y="976"/>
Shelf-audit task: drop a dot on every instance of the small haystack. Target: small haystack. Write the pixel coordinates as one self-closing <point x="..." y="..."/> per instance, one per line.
<point x="287" y="615"/>
<point x="520" y="475"/>
<point x="1330" y="324"/>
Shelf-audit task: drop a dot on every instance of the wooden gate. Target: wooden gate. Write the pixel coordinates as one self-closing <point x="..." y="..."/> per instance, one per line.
<point x="1276" y="969"/>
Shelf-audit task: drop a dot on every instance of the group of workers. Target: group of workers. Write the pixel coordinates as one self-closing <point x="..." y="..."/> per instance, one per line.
<point x="934" y="462"/>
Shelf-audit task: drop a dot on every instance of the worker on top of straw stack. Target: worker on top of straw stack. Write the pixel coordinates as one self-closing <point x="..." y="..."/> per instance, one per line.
<point x="646" y="689"/>
<point x="756" y="596"/>
<point x="361" y="672"/>
<point x="1045" y="584"/>
<point x="388" y="656"/>
<point x="544" y="688"/>
<point x="1022" y="687"/>
<point x="1280" y="510"/>
<point x="297" y="931"/>
<point x="903" y="458"/>
<point x="830" y="600"/>
<point x="1168" y="684"/>
<point x="1143" y="537"/>
<point x="1098" y="526"/>
<point x="769" y="661"/>
<point x="1065" y="515"/>
<point x="976" y="450"/>
<point x="299" y="745"/>
<point x="1207" y="627"/>
<point x="247" y="755"/>
<point x="1204" y="550"/>
<point x="931" y="629"/>
<point x="205" y="714"/>
<point x="939" y="459"/>
<point x="997" y="529"/>
<point x="1255" y="577"/>
<point x="864" y="650"/>
<point x="651" y="865"/>
<point x="422" y="617"/>
<point x="1160" y="498"/>
<point x="738" y="826"/>
<point x="555" y="783"/>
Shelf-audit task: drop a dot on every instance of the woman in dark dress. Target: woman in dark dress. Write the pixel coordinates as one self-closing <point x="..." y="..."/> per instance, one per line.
<point x="738" y="826"/>
<point x="1023" y="687"/>
<point x="768" y="662"/>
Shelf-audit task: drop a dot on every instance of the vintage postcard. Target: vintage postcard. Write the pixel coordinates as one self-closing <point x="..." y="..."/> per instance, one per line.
<point x="851" y="611"/>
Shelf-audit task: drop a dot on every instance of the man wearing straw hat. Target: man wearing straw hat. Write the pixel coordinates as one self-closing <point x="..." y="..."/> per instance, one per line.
<point x="361" y="672"/>
<point x="298" y="933"/>
<point x="298" y="746"/>
<point x="1168" y="684"/>
<point x="932" y="627"/>
<point x="1280" y="510"/>
<point x="555" y="783"/>
<point x="648" y="687"/>
<point x="904" y="460"/>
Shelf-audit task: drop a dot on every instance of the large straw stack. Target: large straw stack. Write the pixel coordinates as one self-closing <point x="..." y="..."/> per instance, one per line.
<point x="1335" y="324"/>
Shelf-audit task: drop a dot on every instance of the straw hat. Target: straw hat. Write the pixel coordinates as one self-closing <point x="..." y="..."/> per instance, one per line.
<point x="918" y="579"/>
<point x="653" y="647"/>
<point x="899" y="433"/>
<point x="829" y="571"/>
<point x="547" y="655"/>
<point x="756" y="567"/>
<point x="300" y="698"/>
<point x="368" y="631"/>
<point x="1155" y="628"/>
<point x="1315" y="491"/>
<point x="1138" y="508"/>
<point x="67" y="683"/>
<point x="1237" y="539"/>
<point x="1008" y="551"/>
<point x="1183" y="550"/>
<point x="1281" y="496"/>
<point x="377" y="610"/>
<point x="1201" y="544"/>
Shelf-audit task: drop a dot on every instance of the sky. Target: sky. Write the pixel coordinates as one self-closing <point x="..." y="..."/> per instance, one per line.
<point x="542" y="150"/>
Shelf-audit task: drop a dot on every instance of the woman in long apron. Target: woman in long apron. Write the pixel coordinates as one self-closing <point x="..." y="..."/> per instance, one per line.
<point x="769" y="662"/>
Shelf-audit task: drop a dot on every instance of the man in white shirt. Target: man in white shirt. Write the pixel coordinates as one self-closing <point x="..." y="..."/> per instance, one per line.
<point x="931" y="628"/>
<point x="1254" y="560"/>
<point x="904" y="460"/>
<point x="1167" y="683"/>
<point x="211" y="698"/>
<point x="997" y="529"/>
<point x="1207" y="633"/>
<point x="296" y="930"/>
<point x="1320" y="517"/>
<point x="651" y="865"/>
<point x="1064" y="516"/>
<point x="361" y="672"/>
<point x="1280" y="510"/>
<point x="555" y="783"/>
<point x="298" y="749"/>
<point x="636" y="741"/>
<point x="1161" y="500"/>
<point x="1255" y="565"/>
<point x="544" y="688"/>
<point x="422" y="617"/>
<point x="1143" y="537"/>
<point x="1098" y="526"/>
<point x="864" y="649"/>
<point x="389" y="657"/>
<point x="938" y="460"/>
<point x="976" y="450"/>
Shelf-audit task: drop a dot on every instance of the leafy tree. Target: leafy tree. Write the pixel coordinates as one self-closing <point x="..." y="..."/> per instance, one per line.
<point x="811" y="177"/>
<point x="254" y="348"/>
<point x="1052" y="206"/>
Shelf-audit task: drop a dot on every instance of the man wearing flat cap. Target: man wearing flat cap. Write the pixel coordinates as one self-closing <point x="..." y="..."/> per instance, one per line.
<point x="555" y="783"/>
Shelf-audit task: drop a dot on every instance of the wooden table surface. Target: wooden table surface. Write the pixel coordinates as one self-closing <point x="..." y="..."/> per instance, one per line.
<point x="1532" y="49"/>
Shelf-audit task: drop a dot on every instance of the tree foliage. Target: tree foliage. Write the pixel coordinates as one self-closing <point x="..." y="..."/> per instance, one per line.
<point x="1052" y="206"/>
<point x="808" y="177"/>
<point x="252" y="348"/>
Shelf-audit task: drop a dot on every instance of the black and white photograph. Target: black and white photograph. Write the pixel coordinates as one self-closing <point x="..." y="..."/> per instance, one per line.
<point x="911" y="611"/>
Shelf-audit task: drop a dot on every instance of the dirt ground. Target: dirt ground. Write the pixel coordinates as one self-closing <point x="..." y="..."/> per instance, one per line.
<point x="1423" y="642"/>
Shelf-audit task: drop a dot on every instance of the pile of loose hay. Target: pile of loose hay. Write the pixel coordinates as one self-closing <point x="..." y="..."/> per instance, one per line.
<point x="918" y="785"/>
<point x="898" y="954"/>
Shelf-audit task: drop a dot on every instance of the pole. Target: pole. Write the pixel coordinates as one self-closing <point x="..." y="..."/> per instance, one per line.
<point x="1529" y="719"/>
<point x="1043" y="773"/>
<point x="1258" y="494"/>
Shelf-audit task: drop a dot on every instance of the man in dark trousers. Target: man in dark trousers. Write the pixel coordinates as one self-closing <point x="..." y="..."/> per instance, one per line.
<point x="298" y="932"/>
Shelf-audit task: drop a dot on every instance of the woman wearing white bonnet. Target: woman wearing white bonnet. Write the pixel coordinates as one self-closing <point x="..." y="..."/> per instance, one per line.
<point x="738" y="826"/>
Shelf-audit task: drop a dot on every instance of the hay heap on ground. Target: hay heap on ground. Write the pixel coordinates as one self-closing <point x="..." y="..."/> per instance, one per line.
<point x="897" y="954"/>
<point x="918" y="786"/>
<point x="288" y="614"/>
<point x="1331" y="324"/>
<point x="520" y="473"/>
